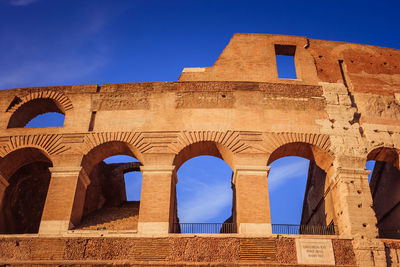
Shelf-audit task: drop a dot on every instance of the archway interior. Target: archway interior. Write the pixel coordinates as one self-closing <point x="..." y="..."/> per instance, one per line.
<point x="113" y="196"/>
<point x="204" y="190"/>
<point x="22" y="201"/>
<point x="384" y="182"/>
<point x="44" y="112"/>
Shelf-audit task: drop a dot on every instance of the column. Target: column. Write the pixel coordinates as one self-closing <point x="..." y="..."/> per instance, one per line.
<point x="353" y="203"/>
<point x="65" y="199"/>
<point x="252" y="200"/>
<point x="156" y="203"/>
<point x="355" y="216"/>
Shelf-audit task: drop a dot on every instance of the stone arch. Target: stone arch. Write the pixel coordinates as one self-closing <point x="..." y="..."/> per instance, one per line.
<point x="309" y="151"/>
<point x="17" y="158"/>
<point x="104" y="148"/>
<point x="320" y="142"/>
<point x="50" y="143"/>
<point x="133" y="140"/>
<point x="386" y="154"/>
<point x="231" y="140"/>
<point x="25" y="179"/>
<point x="203" y="148"/>
<point x="24" y="109"/>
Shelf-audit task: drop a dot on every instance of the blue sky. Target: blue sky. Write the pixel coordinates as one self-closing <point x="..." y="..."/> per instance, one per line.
<point x="60" y="42"/>
<point x="57" y="42"/>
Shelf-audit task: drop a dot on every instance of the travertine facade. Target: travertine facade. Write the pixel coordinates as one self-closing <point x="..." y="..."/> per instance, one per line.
<point x="342" y="110"/>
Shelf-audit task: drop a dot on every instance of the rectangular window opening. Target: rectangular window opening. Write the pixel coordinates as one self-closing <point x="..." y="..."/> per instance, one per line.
<point x="92" y="120"/>
<point x="285" y="61"/>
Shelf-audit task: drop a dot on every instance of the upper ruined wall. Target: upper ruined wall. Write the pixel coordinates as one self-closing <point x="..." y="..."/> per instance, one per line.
<point x="175" y="105"/>
<point x="251" y="57"/>
<point x="341" y="89"/>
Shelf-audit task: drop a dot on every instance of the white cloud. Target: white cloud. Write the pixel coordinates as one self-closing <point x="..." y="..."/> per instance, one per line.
<point x="204" y="194"/>
<point x="282" y="172"/>
<point x="205" y="203"/>
<point x="22" y="2"/>
<point x="201" y="201"/>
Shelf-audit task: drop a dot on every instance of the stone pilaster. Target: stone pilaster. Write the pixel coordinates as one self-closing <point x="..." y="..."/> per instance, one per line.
<point x="355" y="216"/>
<point x="67" y="191"/>
<point x="252" y="200"/>
<point x="157" y="199"/>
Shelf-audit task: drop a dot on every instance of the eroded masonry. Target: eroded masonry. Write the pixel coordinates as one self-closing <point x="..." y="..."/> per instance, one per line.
<point x="60" y="203"/>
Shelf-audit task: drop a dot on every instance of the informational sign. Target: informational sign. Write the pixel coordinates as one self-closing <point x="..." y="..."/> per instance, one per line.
<point x="315" y="251"/>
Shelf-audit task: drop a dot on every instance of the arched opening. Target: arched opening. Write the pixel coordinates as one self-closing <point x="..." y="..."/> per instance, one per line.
<point x="42" y="112"/>
<point x="50" y="119"/>
<point x="204" y="192"/>
<point x="384" y="182"/>
<point x="287" y="181"/>
<point x="129" y="167"/>
<point x="299" y="199"/>
<point x="112" y="198"/>
<point x="23" y="195"/>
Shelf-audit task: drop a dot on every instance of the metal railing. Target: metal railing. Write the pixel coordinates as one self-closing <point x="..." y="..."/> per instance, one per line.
<point x="204" y="228"/>
<point x="293" y="229"/>
<point x="227" y="228"/>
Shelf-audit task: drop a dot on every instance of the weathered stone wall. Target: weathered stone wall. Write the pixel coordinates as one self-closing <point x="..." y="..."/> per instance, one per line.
<point x="251" y="57"/>
<point x="313" y="212"/>
<point x="158" y="251"/>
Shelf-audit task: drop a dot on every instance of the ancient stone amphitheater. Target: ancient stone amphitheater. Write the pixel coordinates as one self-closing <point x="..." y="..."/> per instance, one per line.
<point x="61" y="204"/>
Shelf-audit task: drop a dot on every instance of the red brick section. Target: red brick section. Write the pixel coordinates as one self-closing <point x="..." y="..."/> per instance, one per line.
<point x="162" y="251"/>
<point x="155" y="198"/>
<point x="60" y="199"/>
<point x="252" y="191"/>
<point x="199" y="249"/>
<point x="316" y="60"/>
<point x="392" y="249"/>
<point x="286" y="250"/>
<point x="344" y="253"/>
<point x="392" y="243"/>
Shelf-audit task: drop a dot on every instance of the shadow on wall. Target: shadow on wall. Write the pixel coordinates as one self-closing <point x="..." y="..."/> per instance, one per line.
<point x="24" y="198"/>
<point x="385" y="190"/>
